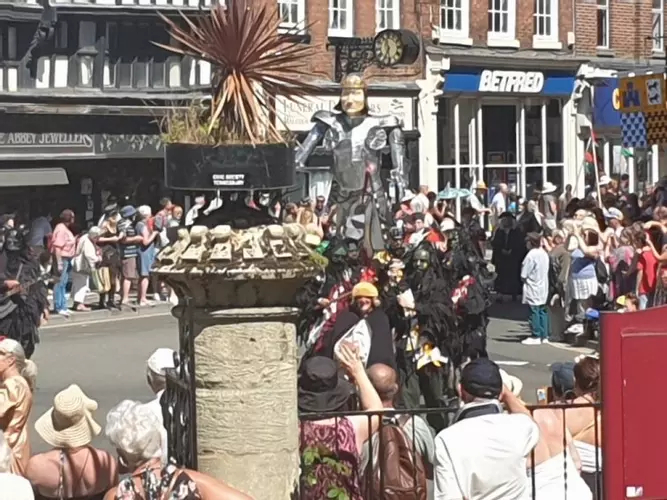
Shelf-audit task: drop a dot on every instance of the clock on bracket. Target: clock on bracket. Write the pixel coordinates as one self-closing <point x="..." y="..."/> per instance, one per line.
<point x="388" y="47"/>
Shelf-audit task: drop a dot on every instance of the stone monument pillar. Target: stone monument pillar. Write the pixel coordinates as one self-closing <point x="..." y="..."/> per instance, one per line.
<point x="242" y="284"/>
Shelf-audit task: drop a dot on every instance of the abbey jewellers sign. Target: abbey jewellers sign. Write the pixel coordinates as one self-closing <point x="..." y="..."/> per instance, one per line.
<point x="296" y="115"/>
<point x="54" y="145"/>
<point x="22" y="142"/>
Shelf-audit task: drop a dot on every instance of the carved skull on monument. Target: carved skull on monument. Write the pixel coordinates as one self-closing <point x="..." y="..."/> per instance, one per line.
<point x="231" y="407"/>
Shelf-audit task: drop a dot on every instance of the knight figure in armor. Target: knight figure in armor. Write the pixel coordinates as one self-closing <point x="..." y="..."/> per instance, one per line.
<point x="357" y="141"/>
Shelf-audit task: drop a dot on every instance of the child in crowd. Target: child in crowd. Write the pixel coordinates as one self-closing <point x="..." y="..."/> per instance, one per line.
<point x="628" y="303"/>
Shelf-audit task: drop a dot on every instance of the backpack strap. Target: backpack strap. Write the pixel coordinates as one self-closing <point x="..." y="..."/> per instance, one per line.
<point x="402" y="420"/>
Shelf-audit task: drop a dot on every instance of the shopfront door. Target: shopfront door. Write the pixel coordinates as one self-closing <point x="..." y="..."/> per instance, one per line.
<point x="500" y="142"/>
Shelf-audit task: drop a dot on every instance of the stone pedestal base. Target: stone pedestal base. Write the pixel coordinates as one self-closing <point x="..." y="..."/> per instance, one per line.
<point x="247" y="417"/>
<point x="241" y="286"/>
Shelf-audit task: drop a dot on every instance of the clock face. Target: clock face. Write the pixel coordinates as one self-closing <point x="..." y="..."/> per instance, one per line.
<point x="388" y="48"/>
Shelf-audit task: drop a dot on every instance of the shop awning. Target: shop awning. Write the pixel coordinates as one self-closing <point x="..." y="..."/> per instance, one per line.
<point x="20" y="177"/>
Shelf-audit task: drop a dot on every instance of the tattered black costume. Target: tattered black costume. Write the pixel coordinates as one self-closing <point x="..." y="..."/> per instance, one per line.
<point x="432" y="324"/>
<point x="335" y="284"/>
<point x="451" y="291"/>
<point x="21" y="312"/>
<point x="469" y="277"/>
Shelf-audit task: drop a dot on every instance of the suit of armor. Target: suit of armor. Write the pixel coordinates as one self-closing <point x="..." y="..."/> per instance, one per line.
<point x="357" y="142"/>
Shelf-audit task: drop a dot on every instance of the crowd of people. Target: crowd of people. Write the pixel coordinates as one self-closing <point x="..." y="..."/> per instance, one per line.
<point x="571" y="258"/>
<point x="73" y="469"/>
<point x="403" y="325"/>
<point x="407" y="323"/>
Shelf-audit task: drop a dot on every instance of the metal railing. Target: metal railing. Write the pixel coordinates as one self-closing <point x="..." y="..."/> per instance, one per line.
<point x="330" y="467"/>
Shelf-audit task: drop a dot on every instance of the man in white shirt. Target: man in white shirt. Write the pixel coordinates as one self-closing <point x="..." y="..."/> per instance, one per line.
<point x="535" y="278"/>
<point x="483" y="455"/>
<point x="499" y="203"/>
<point x="156" y="374"/>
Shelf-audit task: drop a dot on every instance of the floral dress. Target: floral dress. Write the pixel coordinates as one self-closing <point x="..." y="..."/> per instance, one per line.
<point x="320" y="476"/>
<point x="162" y="488"/>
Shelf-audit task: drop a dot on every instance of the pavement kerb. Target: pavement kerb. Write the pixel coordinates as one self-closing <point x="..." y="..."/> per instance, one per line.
<point x="96" y="316"/>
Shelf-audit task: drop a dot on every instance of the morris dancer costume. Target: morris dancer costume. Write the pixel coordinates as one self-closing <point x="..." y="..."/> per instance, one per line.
<point x="21" y="312"/>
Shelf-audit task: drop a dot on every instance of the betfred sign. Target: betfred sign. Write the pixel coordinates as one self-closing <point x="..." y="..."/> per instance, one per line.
<point x="516" y="82"/>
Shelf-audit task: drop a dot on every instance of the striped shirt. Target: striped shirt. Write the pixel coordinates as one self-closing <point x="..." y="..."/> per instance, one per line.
<point x="132" y="250"/>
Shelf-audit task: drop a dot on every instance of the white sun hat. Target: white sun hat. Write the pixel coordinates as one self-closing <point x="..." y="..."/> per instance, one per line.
<point x="69" y="423"/>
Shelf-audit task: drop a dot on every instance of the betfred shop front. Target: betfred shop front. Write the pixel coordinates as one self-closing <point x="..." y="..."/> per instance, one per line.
<point x="504" y="126"/>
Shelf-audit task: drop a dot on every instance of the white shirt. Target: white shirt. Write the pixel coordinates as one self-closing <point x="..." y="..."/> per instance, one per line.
<point x="535" y="277"/>
<point x="156" y="408"/>
<point x="14" y="487"/>
<point x="192" y="215"/>
<point x="484" y="458"/>
<point x="499" y="203"/>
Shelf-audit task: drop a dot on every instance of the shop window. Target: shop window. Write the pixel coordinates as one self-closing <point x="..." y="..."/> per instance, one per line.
<point x="533" y="138"/>
<point x="603" y="24"/>
<point x="388" y="15"/>
<point x="446" y="177"/>
<point x="554" y="131"/>
<point x="341" y="18"/>
<point x="534" y="182"/>
<point x="657" y="12"/>
<point x="450" y="127"/>
<point x="555" y="176"/>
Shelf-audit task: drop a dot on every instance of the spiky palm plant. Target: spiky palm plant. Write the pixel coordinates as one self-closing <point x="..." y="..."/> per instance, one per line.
<point x="252" y="61"/>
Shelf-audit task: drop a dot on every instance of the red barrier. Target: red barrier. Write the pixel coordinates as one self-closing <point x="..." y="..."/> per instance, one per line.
<point x="634" y="403"/>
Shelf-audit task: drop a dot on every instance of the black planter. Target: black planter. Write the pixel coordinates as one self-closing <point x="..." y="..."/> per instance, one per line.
<point x="229" y="168"/>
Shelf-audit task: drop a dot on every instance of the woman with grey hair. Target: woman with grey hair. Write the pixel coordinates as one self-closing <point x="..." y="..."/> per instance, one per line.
<point x="134" y="430"/>
<point x="86" y="258"/>
<point x="12" y="487"/>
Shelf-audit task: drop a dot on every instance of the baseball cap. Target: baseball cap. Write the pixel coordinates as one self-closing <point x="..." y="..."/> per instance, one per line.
<point x="162" y="359"/>
<point x="481" y="378"/>
<point x="562" y="378"/>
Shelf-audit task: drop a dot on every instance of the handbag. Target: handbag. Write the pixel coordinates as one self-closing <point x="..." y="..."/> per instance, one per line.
<point x="102" y="279"/>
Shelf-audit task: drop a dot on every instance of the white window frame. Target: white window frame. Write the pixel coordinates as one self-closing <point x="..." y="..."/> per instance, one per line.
<point x="498" y="38"/>
<point x="301" y="14"/>
<point x="607" y="24"/>
<point x="395" y="11"/>
<point x="453" y="36"/>
<point x="348" y="30"/>
<point x="540" y="40"/>
<point x="658" y="26"/>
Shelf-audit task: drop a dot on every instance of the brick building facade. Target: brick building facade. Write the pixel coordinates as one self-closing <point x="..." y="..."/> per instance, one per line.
<point x="496" y="98"/>
<point x="330" y="25"/>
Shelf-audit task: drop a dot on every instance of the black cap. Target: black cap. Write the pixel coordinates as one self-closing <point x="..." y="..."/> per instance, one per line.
<point x="562" y="378"/>
<point x="481" y="378"/>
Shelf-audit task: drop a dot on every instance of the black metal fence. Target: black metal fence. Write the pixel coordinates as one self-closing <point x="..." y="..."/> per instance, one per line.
<point x="179" y="403"/>
<point x="332" y="468"/>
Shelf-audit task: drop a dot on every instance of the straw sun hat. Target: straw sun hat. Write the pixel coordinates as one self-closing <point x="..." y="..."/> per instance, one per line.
<point x="69" y="423"/>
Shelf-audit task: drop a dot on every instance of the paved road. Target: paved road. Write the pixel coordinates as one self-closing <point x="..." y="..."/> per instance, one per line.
<point x="106" y="357"/>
